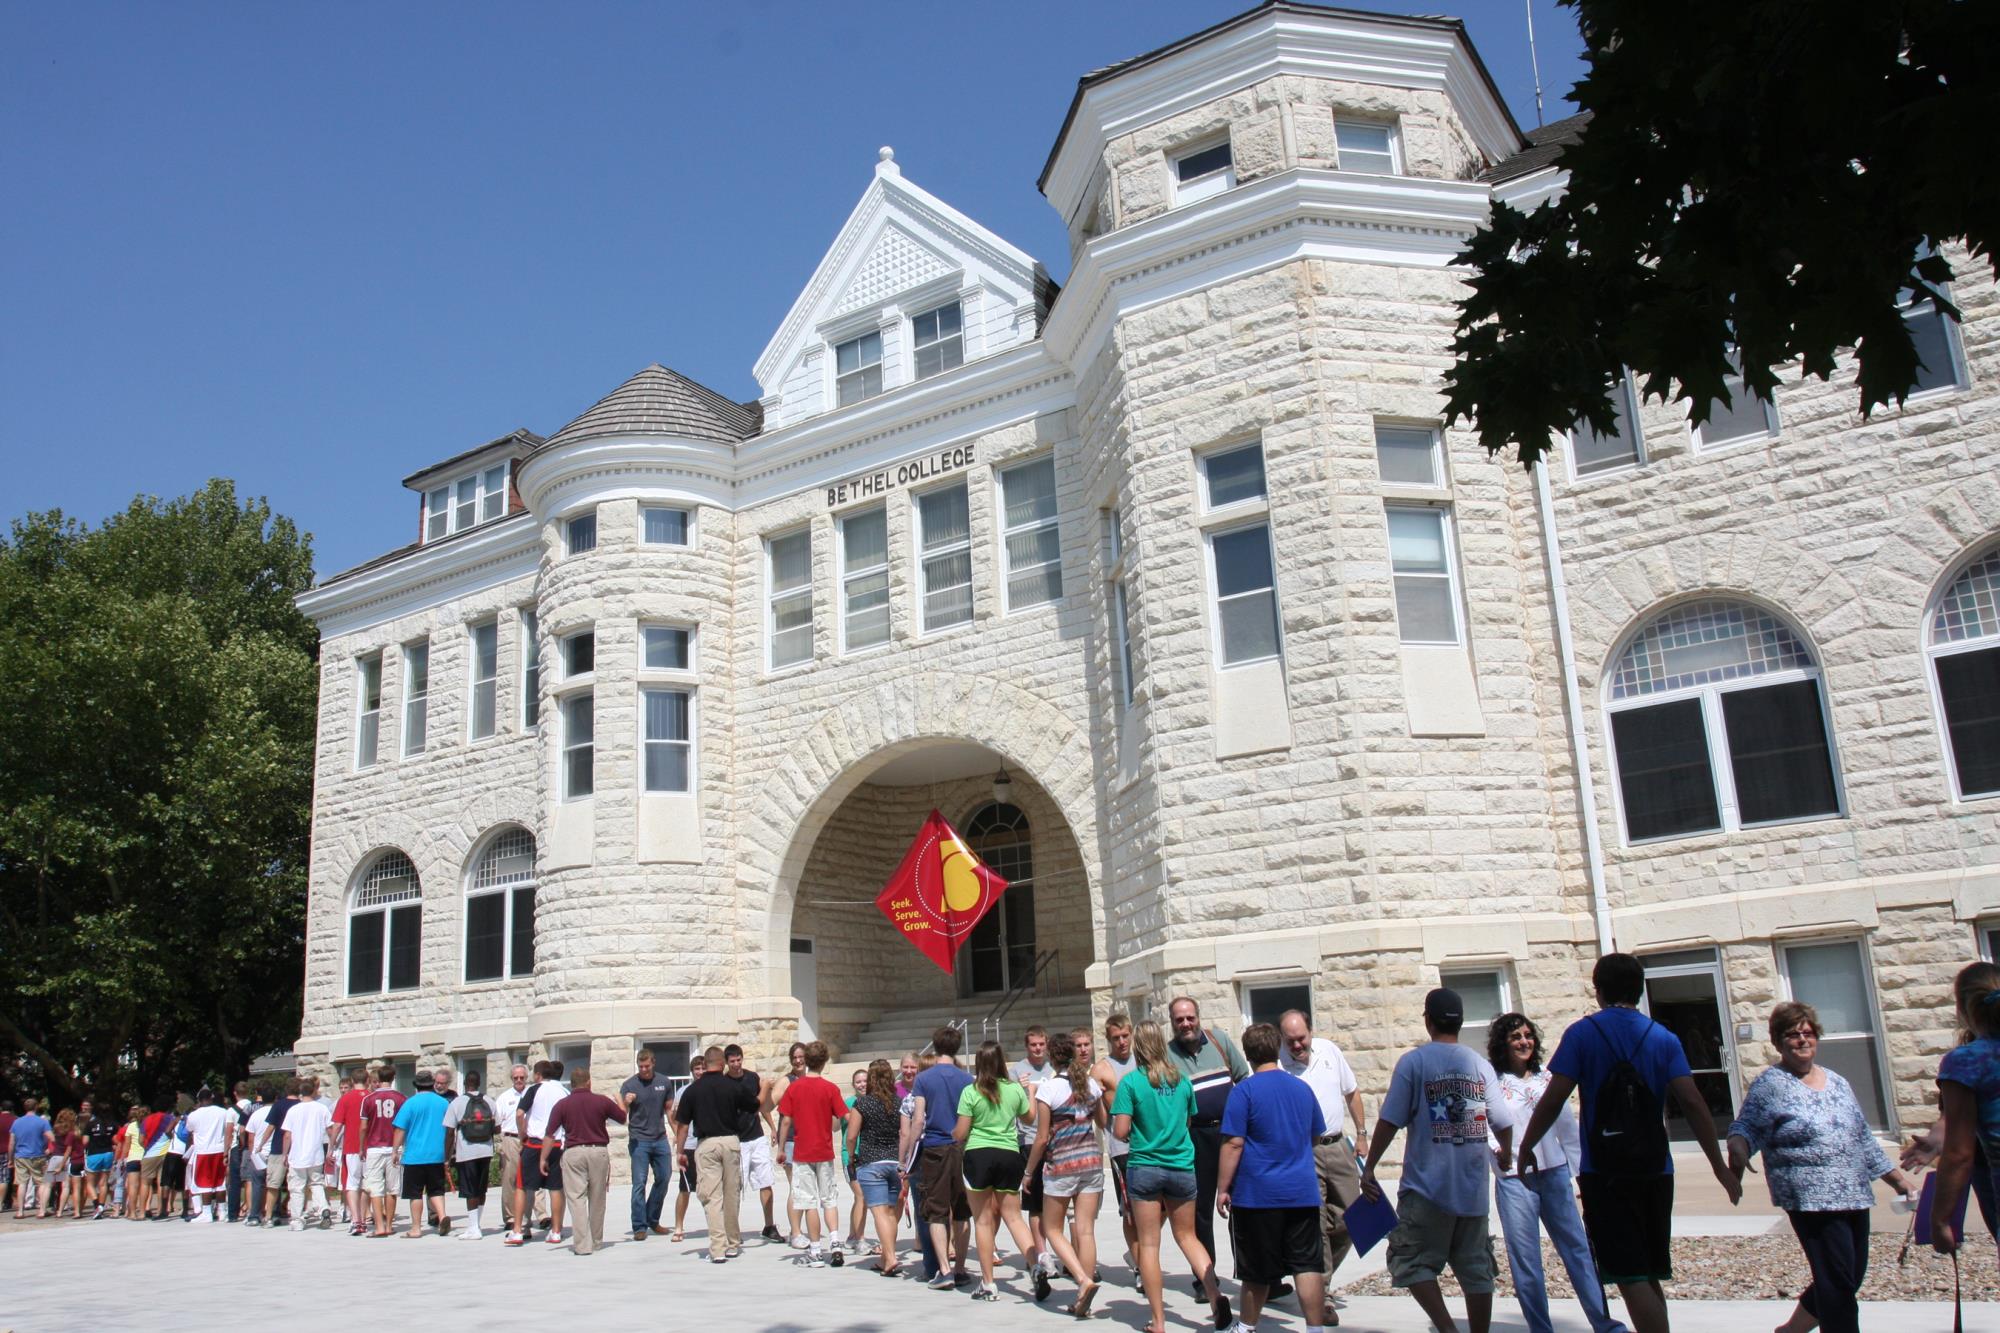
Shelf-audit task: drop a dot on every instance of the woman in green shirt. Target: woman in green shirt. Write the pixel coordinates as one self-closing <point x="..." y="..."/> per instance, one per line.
<point x="1151" y="1112"/>
<point x="990" y="1112"/>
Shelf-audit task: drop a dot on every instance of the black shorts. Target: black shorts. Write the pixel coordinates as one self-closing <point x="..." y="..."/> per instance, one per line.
<point x="173" y="1174"/>
<point x="1629" y="1220"/>
<point x="1118" y="1185"/>
<point x="472" y="1178"/>
<point x="532" y="1176"/>
<point x="1274" y="1243"/>
<point x="942" y="1195"/>
<point x="425" y="1179"/>
<point x="689" y="1179"/>
<point x="1031" y="1190"/>
<point x="993" y="1169"/>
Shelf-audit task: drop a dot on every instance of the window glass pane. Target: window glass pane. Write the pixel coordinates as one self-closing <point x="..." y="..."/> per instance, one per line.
<point x="1705" y="643"/>
<point x="1363" y="146"/>
<point x="439" y="519"/>
<point x="1969" y="689"/>
<point x="666" y="767"/>
<point x="947" y="590"/>
<point x="791" y="560"/>
<point x="466" y="512"/>
<point x="1234" y="476"/>
<point x="1416" y="541"/>
<point x="1484" y="997"/>
<point x="582" y="533"/>
<point x="405" y="946"/>
<point x="1601" y="453"/>
<point x="1249" y="627"/>
<point x="666" y="648"/>
<point x="1407" y="455"/>
<point x="580" y="653"/>
<point x="1202" y="163"/>
<point x="1929" y="332"/>
<point x="1829" y="977"/>
<point x="1242" y="560"/>
<point x="1664" y="776"/>
<point x="1778" y="752"/>
<point x="1035" y="571"/>
<point x="858" y="352"/>
<point x="1858" y="1060"/>
<point x="868" y="610"/>
<point x="579" y="778"/>
<point x="1970" y="608"/>
<point x="521" y="951"/>
<point x="531" y="670"/>
<point x="943" y="517"/>
<point x="578" y="720"/>
<point x="666" y="715"/>
<point x="485" y="673"/>
<point x="367" y="741"/>
<point x="1029" y="492"/>
<point x="364" y="953"/>
<point x="864" y="538"/>
<point x="1745" y="417"/>
<point x="667" y="527"/>
<point x="1424" y="613"/>
<point x="791" y="630"/>
<point x="493" y="502"/>
<point x="485" y="699"/>
<point x="485" y="936"/>
<point x="1122" y="619"/>
<point x="1270" y="1003"/>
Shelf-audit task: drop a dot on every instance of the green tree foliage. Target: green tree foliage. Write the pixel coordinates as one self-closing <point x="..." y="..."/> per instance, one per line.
<point x="155" y="792"/>
<point x="1770" y="174"/>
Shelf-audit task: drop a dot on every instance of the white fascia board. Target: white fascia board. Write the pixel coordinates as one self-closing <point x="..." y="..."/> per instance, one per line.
<point x="1534" y="189"/>
<point x="1303" y="213"/>
<point x="494" y="554"/>
<point x="559" y="481"/>
<point x="1321" y="47"/>
<point x="768" y="368"/>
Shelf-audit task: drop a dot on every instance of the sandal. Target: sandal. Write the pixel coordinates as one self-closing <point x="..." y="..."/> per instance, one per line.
<point x="678" y="1235"/>
<point x="1080" y="1307"/>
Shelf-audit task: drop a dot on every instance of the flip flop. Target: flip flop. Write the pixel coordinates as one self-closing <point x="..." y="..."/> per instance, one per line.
<point x="1080" y="1307"/>
<point x="678" y="1235"/>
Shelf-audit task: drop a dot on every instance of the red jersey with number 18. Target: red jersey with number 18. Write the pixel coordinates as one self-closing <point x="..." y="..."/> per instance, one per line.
<point x="378" y="1110"/>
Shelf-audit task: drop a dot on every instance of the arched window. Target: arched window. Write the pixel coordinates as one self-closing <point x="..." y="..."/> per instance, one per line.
<point x="1965" y="663"/>
<point x="1718" y="722"/>
<point x="385" y="923"/>
<point x="1001" y="951"/>
<point x="500" y="908"/>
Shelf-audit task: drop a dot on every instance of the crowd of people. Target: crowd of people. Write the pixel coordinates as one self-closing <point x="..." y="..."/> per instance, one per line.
<point x="1179" y="1126"/>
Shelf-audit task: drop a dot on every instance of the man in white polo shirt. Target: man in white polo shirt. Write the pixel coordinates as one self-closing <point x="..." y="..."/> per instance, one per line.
<point x="507" y="1146"/>
<point x="1319" y="1063"/>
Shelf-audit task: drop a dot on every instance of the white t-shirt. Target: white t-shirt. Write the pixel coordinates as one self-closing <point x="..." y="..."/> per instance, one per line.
<point x="1561" y="1146"/>
<point x="305" y="1125"/>
<point x="1056" y="1091"/>
<point x="1326" y="1072"/>
<point x="506" y="1106"/>
<point x="208" y="1130"/>
<point x="546" y="1097"/>
<point x="253" y="1128"/>
<point x="1448" y="1095"/>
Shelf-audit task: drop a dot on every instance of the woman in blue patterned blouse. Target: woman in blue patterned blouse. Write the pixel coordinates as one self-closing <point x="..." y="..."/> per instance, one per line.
<point x="1820" y="1160"/>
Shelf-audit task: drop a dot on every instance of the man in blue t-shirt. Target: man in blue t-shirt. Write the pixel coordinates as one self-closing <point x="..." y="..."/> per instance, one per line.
<point x="1267" y="1185"/>
<point x="941" y="1200"/>
<point x="1628" y="1217"/>
<point x="419" y="1151"/>
<point x="34" y="1140"/>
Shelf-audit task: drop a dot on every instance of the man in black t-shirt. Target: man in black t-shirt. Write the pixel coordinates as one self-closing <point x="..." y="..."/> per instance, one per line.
<point x="754" y="1132"/>
<point x="713" y="1107"/>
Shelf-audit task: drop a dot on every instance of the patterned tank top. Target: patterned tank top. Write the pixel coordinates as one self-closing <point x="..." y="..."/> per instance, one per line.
<point x="1072" y="1146"/>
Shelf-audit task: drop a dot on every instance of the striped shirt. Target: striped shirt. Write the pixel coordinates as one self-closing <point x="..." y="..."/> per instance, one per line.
<point x="1072" y="1146"/>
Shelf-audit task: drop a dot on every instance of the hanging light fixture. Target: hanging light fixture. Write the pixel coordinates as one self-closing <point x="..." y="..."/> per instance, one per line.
<point x="1003" y="787"/>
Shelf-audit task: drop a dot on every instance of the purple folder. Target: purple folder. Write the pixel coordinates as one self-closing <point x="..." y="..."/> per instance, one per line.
<point x="1367" y="1222"/>
<point x="1923" y="1220"/>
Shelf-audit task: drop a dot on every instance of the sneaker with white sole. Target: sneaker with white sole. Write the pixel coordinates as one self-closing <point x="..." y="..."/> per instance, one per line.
<point x="297" y="1225"/>
<point x="814" y="1259"/>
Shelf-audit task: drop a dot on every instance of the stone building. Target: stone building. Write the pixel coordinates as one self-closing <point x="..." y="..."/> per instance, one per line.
<point x="1171" y="592"/>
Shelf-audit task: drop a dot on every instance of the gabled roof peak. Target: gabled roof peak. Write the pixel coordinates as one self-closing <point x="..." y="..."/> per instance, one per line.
<point x="661" y="401"/>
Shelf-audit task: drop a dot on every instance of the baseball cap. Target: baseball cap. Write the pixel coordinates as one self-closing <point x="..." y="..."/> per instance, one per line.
<point x="1443" y="1005"/>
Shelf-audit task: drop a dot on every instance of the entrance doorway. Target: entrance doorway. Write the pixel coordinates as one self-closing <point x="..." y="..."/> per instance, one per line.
<point x="805" y="985"/>
<point x="1684" y="995"/>
<point x="1000" y="952"/>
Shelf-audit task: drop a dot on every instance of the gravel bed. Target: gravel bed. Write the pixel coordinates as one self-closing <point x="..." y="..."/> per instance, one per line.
<point x="1759" y="1268"/>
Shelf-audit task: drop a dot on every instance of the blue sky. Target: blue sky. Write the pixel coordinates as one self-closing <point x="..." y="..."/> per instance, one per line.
<point x="316" y="247"/>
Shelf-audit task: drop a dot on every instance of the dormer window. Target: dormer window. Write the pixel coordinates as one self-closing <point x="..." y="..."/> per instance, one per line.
<point x="1204" y="172"/>
<point x="1368" y="146"/>
<point x="479" y="497"/>
<point x="857" y="369"/>
<point x="939" y="339"/>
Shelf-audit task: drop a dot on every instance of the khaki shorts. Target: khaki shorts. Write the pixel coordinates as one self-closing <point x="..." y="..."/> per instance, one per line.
<point x="30" y="1169"/>
<point x="150" y="1168"/>
<point x="274" y="1173"/>
<point x="1427" y="1239"/>
<point x="815" y="1185"/>
<point x="376" y="1177"/>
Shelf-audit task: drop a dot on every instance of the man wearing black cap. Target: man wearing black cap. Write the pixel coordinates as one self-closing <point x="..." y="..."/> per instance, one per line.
<point x="1441" y="1090"/>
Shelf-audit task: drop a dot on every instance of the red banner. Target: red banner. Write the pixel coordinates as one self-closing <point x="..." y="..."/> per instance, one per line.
<point x="939" y="892"/>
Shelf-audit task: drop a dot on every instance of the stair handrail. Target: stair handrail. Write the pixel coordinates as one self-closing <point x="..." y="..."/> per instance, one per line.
<point x="930" y="1047"/>
<point x="989" y="1026"/>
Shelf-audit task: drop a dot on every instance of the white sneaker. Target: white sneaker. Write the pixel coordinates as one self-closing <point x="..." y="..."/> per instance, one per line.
<point x="471" y="1233"/>
<point x="799" y="1241"/>
<point x="297" y="1225"/>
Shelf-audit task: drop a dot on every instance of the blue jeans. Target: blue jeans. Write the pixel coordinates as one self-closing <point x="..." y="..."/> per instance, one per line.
<point x="924" y="1248"/>
<point x="657" y="1154"/>
<point x="1527" y="1205"/>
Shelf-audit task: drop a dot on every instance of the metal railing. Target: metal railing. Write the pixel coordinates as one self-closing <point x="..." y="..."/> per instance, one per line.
<point x="989" y="1026"/>
<point x="930" y="1047"/>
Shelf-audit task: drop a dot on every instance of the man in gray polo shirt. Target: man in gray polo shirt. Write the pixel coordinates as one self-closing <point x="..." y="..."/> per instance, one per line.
<point x="648" y="1096"/>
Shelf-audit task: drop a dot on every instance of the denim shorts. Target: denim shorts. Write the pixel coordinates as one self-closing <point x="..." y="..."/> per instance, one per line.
<point x="1159" y="1184"/>
<point x="880" y="1183"/>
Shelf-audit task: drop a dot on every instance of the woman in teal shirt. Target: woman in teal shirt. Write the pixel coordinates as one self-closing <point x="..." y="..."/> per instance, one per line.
<point x="1151" y="1113"/>
<point x="990" y="1111"/>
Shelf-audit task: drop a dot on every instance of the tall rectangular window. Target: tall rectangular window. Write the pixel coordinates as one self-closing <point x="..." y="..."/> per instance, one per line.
<point x="579" y="653"/>
<point x="1365" y="146"/>
<point x="493" y="494"/>
<point x="367" y="709"/>
<point x="579" y="746"/>
<point x="531" y="670"/>
<point x="580" y="534"/>
<point x="1202" y="173"/>
<point x="416" y="696"/>
<point x="485" y="643"/>
<point x="437" y="513"/>
<point x="944" y="534"/>
<point x="1420" y="559"/>
<point x="938" y="339"/>
<point x="864" y="578"/>
<point x="669" y="739"/>
<point x="1408" y="455"/>
<point x="465" y="512"/>
<point x="1744" y="417"/>
<point x="1935" y="336"/>
<point x="1121" y="615"/>
<point x="1233" y="476"/>
<point x="791" y="601"/>
<point x="666" y="647"/>
<point x="1246" y="594"/>
<point x="1034" y="546"/>
<point x="1592" y="451"/>
<point x="664" y="526"/>
<point x="857" y="369"/>
<point x="1833" y="978"/>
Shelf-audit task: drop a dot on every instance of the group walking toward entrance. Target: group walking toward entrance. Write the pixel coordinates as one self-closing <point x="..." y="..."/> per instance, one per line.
<point x="1180" y="1125"/>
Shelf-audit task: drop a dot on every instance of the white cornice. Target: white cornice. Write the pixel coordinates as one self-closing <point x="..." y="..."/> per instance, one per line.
<point x="1534" y="189"/>
<point x="1321" y="46"/>
<point x="1305" y="212"/>
<point x="556" y="481"/>
<point x="494" y="553"/>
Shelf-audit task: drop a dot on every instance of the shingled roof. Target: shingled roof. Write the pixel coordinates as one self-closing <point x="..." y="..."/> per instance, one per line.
<point x="659" y="401"/>
<point x="1545" y="145"/>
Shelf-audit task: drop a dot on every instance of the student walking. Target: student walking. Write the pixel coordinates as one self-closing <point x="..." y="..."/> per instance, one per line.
<point x="379" y="1107"/>
<point x="807" y="1113"/>
<point x="1319" y="1063"/>
<point x="944" y="1210"/>
<point x="348" y="1148"/>
<point x="419" y="1149"/>
<point x="1070" y="1113"/>
<point x="1545" y="1197"/>
<point x="1447" y="1095"/>
<point x="1625" y="1066"/>
<point x="1152" y="1112"/>
<point x="581" y="1122"/>
<point x="471" y="1125"/>
<point x="991" y="1112"/>
<point x="648" y="1097"/>
<point x="1116" y="1063"/>
<point x="857" y="1217"/>
<point x="1820" y="1160"/>
<point x="304" y="1155"/>
<point x="756" y="1130"/>
<point x="1212" y="1064"/>
<point x="1969" y="1092"/>
<point x="507" y="1141"/>
<point x="874" y="1135"/>
<point x="34" y="1139"/>
<point x="211" y="1132"/>
<point x="1268" y="1184"/>
<point x="100" y="1157"/>
<point x="711" y="1109"/>
<point x="539" y="1171"/>
<point x="256" y="1159"/>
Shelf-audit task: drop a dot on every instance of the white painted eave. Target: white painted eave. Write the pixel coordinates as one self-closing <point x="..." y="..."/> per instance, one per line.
<point x="493" y="553"/>
<point x="1534" y="189"/>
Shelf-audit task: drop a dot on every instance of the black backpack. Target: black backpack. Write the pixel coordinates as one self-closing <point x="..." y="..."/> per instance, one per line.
<point x="1628" y="1130"/>
<point x="476" y="1123"/>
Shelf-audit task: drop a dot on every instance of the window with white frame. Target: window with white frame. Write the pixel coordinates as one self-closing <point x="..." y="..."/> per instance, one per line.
<point x="469" y="1063"/>
<point x="1744" y="417"/>
<point x="1246" y="594"/>
<point x="1987" y="935"/>
<point x="857" y="369"/>
<point x="1409" y="455"/>
<point x="1232" y="476"/>
<point x="944" y="557"/>
<point x="579" y="653"/>
<point x="1964" y="652"/>
<point x="531" y="670"/>
<point x="367" y="709"/>
<point x="1592" y="451"/>
<point x="1934" y="334"/>
<point x="580" y="533"/>
<point x="938" y="339"/>
<point x="572" y="1056"/>
<point x="664" y="526"/>
<point x="666" y="647"/>
<point x="1424" y="569"/>
<point x="669" y="756"/>
<point x="1203" y="172"/>
<point x="579" y="746"/>
<point x="864" y="578"/>
<point x="1030" y="534"/>
<point x="1485" y="993"/>
<point x="479" y="497"/>
<point x="1269" y="1001"/>
<point x="1833" y="977"/>
<point x="484" y="643"/>
<point x="500" y="908"/>
<point x="790" y="622"/>
<point x="416" y="696"/>
<point x="1365" y="145"/>
<point x="1120" y="610"/>
<point x="385" y="920"/>
<point x="1718" y="722"/>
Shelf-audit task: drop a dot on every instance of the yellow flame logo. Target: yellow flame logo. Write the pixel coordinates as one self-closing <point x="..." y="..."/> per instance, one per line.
<point x="961" y="885"/>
